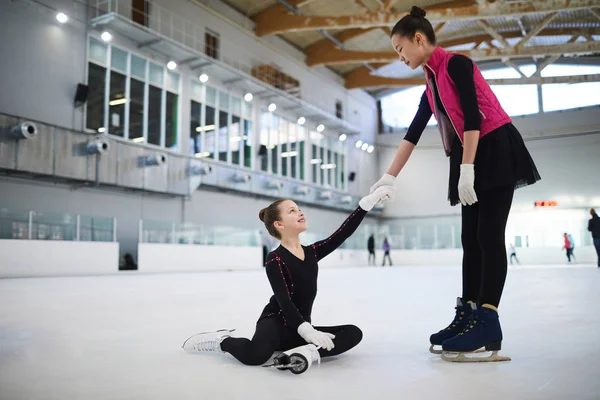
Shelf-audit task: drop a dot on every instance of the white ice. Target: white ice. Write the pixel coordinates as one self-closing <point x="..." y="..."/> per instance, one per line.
<point x="119" y="337"/>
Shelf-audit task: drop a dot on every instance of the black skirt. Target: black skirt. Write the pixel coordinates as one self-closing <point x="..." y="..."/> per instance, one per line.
<point x="502" y="159"/>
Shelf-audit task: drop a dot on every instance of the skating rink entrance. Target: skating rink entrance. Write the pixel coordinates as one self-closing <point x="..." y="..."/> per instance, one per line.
<point x="119" y="337"/>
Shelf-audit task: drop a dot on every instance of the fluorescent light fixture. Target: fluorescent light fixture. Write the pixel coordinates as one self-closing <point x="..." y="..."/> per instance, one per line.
<point x="202" y="155"/>
<point x="138" y="139"/>
<point x="205" y="128"/>
<point x="118" y="102"/>
<point x="101" y="130"/>
<point x="315" y="161"/>
<point x="289" y="154"/>
<point x="328" y="166"/>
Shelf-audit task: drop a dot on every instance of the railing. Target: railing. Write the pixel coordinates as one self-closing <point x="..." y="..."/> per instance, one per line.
<point x="193" y="234"/>
<point x="33" y="225"/>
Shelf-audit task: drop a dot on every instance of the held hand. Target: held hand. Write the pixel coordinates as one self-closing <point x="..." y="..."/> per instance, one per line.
<point x="386" y="180"/>
<point x="466" y="185"/>
<point x="381" y="194"/>
<point x="318" y="338"/>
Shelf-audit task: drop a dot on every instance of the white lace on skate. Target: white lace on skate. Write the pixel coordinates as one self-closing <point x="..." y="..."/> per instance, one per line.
<point x="206" y="341"/>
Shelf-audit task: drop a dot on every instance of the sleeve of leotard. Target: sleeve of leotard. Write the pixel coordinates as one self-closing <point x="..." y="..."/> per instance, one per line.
<point x="419" y="122"/>
<point x="460" y="69"/>
<point x="278" y="278"/>
<point x="324" y="247"/>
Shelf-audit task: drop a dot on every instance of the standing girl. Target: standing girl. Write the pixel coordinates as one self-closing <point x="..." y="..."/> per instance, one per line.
<point x="488" y="161"/>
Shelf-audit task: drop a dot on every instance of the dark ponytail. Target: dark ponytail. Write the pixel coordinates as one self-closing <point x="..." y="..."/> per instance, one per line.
<point x="412" y="23"/>
<point x="269" y="215"/>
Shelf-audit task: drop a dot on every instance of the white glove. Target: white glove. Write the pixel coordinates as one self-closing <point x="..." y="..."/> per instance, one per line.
<point x="386" y="180"/>
<point x="381" y="194"/>
<point x="466" y="185"/>
<point x="318" y="338"/>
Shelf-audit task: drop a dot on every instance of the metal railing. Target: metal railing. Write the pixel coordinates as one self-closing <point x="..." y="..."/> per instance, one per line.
<point x="34" y="225"/>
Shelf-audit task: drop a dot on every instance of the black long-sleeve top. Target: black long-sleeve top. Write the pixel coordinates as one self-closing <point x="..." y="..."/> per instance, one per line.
<point x="294" y="281"/>
<point x="460" y="69"/>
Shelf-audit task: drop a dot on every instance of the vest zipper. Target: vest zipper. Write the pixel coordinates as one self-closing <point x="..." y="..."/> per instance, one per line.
<point x="441" y="101"/>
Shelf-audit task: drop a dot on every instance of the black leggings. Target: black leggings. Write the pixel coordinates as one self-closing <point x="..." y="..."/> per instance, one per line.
<point x="272" y="335"/>
<point x="484" y="249"/>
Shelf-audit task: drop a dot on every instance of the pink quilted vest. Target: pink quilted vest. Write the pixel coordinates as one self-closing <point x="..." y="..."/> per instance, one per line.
<point x="492" y="114"/>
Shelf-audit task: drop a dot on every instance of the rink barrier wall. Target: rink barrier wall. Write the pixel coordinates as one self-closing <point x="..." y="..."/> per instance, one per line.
<point x="40" y="258"/>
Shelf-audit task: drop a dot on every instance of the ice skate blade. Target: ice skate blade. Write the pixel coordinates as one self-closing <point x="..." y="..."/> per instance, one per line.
<point x="433" y="350"/>
<point x="462" y="357"/>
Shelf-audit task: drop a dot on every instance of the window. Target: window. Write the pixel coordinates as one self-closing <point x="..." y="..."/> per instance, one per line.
<point x="399" y="109"/>
<point x="517" y="99"/>
<point x="248" y="156"/>
<point x="338" y="109"/>
<point x="133" y="98"/>
<point x="196" y="147"/>
<point x="95" y="103"/>
<point x="223" y="125"/>
<point x="211" y="44"/>
<point x="562" y="96"/>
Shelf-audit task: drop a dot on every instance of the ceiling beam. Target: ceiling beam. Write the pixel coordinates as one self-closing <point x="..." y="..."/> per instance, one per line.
<point x="551" y="59"/>
<point x="493" y="33"/>
<point x="332" y="55"/>
<point x="325" y="45"/>
<point x="279" y="19"/>
<point x="360" y="78"/>
<point x="596" y="13"/>
<point x="537" y="29"/>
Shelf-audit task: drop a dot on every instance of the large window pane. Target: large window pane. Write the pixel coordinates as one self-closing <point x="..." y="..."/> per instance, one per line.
<point x="173" y="81"/>
<point x="195" y="128"/>
<point x="235" y="139"/>
<point x="247" y="144"/>
<point x="301" y="133"/>
<point x="171" y="122"/>
<point x="138" y="67"/>
<point x="399" y="109"/>
<point x="116" y="104"/>
<point x="274" y="143"/>
<point x="336" y="171"/>
<point x="98" y="51"/>
<point x="209" y="131"/>
<point x="342" y="173"/>
<point x="154" y="114"/>
<point x="136" y="109"/>
<point x="329" y="169"/>
<point x="322" y="171"/>
<point x="265" y="126"/>
<point x="517" y="99"/>
<point x="118" y="59"/>
<point x="95" y="102"/>
<point x="156" y="74"/>
<point x="283" y="138"/>
<point x="314" y="162"/>
<point x="562" y="96"/>
<point x="223" y="135"/>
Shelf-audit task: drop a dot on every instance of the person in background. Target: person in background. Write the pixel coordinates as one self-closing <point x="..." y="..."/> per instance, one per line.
<point x="594" y="228"/>
<point x="386" y="249"/>
<point x="513" y="253"/>
<point x="568" y="247"/>
<point x="371" y="248"/>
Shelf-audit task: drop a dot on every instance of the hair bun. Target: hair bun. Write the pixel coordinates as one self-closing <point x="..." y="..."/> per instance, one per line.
<point x="261" y="214"/>
<point x="417" y="12"/>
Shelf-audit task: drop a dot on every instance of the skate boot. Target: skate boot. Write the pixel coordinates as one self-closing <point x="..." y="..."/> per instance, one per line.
<point x="483" y="331"/>
<point x="463" y="313"/>
<point x="206" y="341"/>
<point x="298" y="359"/>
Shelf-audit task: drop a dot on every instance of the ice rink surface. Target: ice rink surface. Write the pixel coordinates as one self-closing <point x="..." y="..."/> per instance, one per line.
<point x="119" y="337"/>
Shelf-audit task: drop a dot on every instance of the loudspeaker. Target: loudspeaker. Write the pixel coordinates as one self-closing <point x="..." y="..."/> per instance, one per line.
<point x="81" y="94"/>
<point x="352" y="176"/>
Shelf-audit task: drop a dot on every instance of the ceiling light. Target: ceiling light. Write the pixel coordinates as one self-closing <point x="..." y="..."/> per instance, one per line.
<point x="301" y="121"/>
<point x="358" y="144"/>
<point x="203" y="78"/>
<point x="106" y="36"/>
<point x="62" y="18"/>
<point x="248" y="97"/>
<point x="343" y="137"/>
<point x="171" y="65"/>
<point x="272" y="107"/>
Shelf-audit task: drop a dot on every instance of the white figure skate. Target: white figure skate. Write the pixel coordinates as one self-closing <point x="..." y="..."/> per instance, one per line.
<point x="298" y="360"/>
<point x="206" y="341"/>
